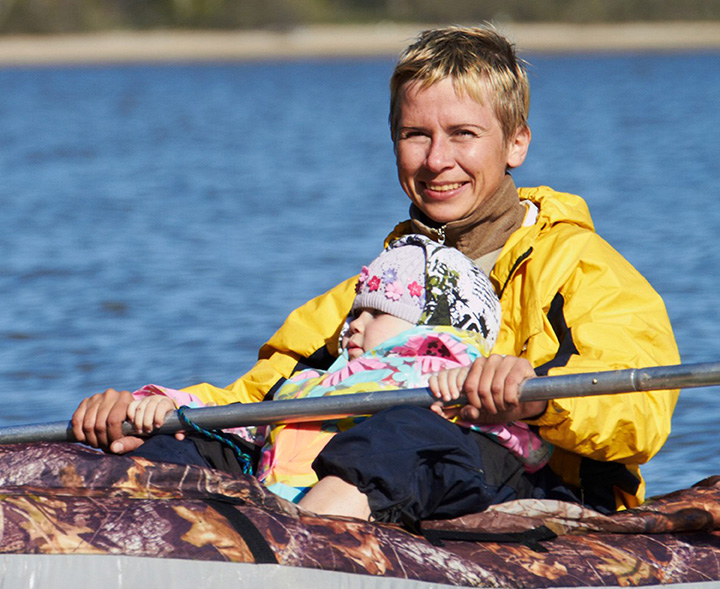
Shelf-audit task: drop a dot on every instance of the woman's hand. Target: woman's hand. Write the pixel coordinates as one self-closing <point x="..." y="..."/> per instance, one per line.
<point x="98" y="422"/>
<point x="491" y="387"/>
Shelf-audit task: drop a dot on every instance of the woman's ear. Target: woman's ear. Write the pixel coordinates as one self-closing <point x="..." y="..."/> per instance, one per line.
<point x="518" y="147"/>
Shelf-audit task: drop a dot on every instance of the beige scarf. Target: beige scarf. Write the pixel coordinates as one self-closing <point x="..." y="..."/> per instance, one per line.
<point x="482" y="234"/>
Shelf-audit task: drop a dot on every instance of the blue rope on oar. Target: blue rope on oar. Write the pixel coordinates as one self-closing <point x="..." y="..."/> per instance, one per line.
<point x="243" y="458"/>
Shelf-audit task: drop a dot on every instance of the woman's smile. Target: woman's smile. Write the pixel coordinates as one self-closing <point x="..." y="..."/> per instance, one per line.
<point x="442" y="191"/>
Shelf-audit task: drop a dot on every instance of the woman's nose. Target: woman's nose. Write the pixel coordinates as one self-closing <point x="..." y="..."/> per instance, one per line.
<point x="439" y="155"/>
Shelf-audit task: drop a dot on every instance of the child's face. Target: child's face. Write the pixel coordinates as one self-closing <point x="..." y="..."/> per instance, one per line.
<point x="369" y="329"/>
<point x="450" y="149"/>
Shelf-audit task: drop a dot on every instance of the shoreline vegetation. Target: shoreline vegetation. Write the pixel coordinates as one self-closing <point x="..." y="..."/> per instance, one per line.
<point x="335" y="41"/>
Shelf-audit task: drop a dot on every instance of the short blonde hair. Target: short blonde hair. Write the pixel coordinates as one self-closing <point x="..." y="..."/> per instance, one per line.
<point x="476" y="59"/>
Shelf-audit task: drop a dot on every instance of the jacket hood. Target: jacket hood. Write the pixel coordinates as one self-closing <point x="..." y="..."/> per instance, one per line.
<point x="554" y="208"/>
<point x="558" y="207"/>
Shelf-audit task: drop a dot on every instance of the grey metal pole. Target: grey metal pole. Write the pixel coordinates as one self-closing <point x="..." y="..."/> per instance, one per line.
<point x="236" y="414"/>
<point x="629" y="380"/>
<point x="536" y="389"/>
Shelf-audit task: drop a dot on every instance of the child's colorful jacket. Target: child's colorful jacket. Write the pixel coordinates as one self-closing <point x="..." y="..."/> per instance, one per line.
<point x="405" y="361"/>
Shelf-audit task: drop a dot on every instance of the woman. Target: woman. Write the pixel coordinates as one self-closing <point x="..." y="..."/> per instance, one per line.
<point x="570" y="303"/>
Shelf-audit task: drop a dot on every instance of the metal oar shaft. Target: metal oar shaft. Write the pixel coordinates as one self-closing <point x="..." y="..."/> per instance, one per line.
<point x="621" y="381"/>
<point x="237" y="414"/>
<point x="537" y="389"/>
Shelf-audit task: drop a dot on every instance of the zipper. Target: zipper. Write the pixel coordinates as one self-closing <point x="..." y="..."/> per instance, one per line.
<point x="440" y="234"/>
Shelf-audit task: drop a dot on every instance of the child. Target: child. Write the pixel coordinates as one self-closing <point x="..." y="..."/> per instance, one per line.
<point x="420" y="308"/>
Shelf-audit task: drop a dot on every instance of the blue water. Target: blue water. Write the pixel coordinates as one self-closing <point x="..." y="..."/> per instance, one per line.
<point x="159" y="222"/>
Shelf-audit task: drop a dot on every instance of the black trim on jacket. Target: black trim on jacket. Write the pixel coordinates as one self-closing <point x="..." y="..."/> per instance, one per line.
<point x="515" y="266"/>
<point x="598" y="479"/>
<point x="566" y="348"/>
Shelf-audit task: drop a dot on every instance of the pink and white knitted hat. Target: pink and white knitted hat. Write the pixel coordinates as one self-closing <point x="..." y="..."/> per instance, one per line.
<point x="394" y="283"/>
<point x="426" y="283"/>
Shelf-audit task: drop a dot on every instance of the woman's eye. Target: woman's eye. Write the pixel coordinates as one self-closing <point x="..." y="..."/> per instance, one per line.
<point x="411" y="134"/>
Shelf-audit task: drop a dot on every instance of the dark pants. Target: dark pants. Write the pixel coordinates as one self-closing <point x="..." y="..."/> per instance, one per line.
<point x="197" y="450"/>
<point x="413" y="464"/>
<point x="165" y="448"/>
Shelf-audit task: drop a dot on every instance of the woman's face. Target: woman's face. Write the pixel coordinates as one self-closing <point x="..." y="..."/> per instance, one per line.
<point x="451" y="153"/>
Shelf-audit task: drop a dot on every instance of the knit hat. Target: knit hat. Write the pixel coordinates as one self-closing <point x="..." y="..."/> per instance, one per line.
<point x="426" y="283"/>
<point x="394" y="283"/>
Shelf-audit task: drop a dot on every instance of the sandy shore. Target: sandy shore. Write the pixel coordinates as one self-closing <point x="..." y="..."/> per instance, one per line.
<point x="340" y="41"/>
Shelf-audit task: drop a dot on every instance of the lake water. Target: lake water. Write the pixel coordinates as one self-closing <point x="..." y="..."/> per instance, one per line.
<point x="159" y="222"/>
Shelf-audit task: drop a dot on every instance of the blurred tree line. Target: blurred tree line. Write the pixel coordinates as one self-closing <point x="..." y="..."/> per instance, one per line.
<point x="65" y="16"/>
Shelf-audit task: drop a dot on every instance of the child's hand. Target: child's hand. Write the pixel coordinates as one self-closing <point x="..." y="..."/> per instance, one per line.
<point x="149" y="413"/>
<point x="447" y="386"/>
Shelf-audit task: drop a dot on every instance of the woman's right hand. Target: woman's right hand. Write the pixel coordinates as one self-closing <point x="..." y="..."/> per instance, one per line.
<point x="98" y="422"/>
<point x="491" y="386"/>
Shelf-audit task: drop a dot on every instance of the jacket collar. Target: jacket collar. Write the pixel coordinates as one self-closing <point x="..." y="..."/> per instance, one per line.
<point x="553" y="208"/>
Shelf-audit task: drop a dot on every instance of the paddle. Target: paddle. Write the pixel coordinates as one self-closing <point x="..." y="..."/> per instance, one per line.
<point x="536" y="389"/>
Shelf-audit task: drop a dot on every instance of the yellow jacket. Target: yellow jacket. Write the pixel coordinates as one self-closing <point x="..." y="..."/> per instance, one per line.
<point x="570" y="304"/>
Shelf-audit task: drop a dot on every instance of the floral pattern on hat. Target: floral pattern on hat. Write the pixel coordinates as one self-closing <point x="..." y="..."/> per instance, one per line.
<point x="428" y="284"/>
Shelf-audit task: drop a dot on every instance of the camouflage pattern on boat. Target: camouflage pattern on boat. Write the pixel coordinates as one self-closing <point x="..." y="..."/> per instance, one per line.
<point x="68" y="499"/>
